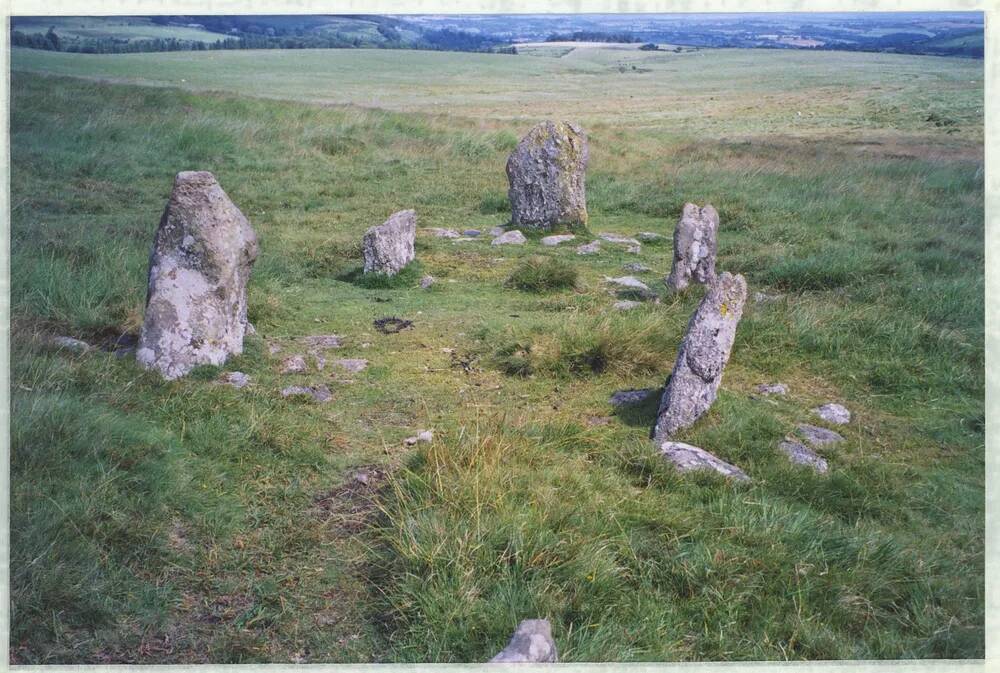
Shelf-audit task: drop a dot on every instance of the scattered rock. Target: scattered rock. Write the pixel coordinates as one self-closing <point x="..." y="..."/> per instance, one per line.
<point x="497" y="231"/>
<point x="322" y="341"/>
<point x="294" y="364"/>
<point x="510" y="238"/>
<point x="591" y="248"/>
<point x="687" y="458"/>
<point x="196" y="302"/>
<point x="472" y="233"/>
<point x="618" y="238"/>
<point x="832" y="412"/>
<point x="772" y="389"/>
<point x="531" y="643"/>
<point x="426" y="282"/>
<point x="636" y="267"/>
<point x="703" y="354"/>
<point x="69" y="343"/>
<point x="557" y="239"/>
<point x="626" y="304"/>
<point x="443" y="233"/>
<point x="546" y="172"/>
<point x="762" y="298"/>
<point x="236" y="379"/>
<point x="817" y="436"/>
<point x="634" y="249"/>
<point x="694" y="247"/>
<point x="318" y="393"/>
<point x="624" y="398"/>
<point x="630" y="282"/>
<point x="425" y="436"/>
<point x="388" y="247"/>
<point x="801" y="454"/>
<point x="352" y="365"/>
<point x="648" y="236"/>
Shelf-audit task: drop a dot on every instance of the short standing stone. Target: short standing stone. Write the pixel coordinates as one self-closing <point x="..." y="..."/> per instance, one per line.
<point x="510" y="238"/>
<point x="799" y="454"/>
<point x="557" y="239"/>
<point x="388" y="247"/>
<point x="591" y="248"/>
<point x="546" y="172"/>
<point x="817" y="436"/>
<point x="196" y="302"/>
<point x="531" y="643"/>
<point x="694" y="247"/>
<point x="772" y="389"/>
<point x="703" y="354"/>
<point x="834" y="413"/>
<point x="426" y="282"/>
<point x="688" y="458"/>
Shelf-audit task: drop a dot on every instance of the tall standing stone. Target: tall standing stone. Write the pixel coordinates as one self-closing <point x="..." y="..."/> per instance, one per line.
<point x="546" y="173"/>
<point x="704" y="351"/>
<point x="694" y="247"/>
<point x="196" y="302"/>
<point x="388" y="247"/>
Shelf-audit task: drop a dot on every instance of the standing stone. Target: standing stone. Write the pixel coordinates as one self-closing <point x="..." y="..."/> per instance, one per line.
<point x="546" y="173"/>
<point x="694" y="247"/>
<point x="196" y="302"/>
<point x="704" y="351"/>
<point x="388" y="247"/>
<point x="531" y="643"/>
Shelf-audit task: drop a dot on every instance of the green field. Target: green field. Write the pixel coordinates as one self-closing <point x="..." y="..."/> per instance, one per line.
<point x="189" y="522"/>
<point x="132" y="28"/>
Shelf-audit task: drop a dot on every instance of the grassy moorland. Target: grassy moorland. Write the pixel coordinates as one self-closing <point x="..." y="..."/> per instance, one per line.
<point x="188" y="521"/>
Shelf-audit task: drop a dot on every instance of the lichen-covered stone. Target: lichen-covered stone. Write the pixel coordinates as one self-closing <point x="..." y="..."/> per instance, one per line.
<point x="800" y="454"/>
<point x="688" y="458"/>
<point x="531" y="643"/>
<point x="694" y="247"/>
<point x="834" y="413"/>
<point x="818" y="436"/>
<point x="388" y="247"/>
<point x="771" y="389"/>
<point x="703" y="354"/>
<point x="196" y="302"/>
<point x="510" y="238"/>
<point x="591" y="248"/>
<point x="547" y="172"/>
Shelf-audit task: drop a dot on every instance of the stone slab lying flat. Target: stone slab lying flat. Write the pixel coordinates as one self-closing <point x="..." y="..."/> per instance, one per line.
<point x="832" y="412"/>
<point x="800" y="454"/>
<point x="818" y="436"/>
<point x="688" y="458"/>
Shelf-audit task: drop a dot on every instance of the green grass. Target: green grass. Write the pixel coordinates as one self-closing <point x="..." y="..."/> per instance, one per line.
<point x="130" y="28"/>
<point x="542" y="273"/>
<point x="186" y="522"/>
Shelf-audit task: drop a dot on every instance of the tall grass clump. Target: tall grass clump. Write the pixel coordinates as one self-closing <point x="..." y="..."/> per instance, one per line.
<point x="541" y="273"/>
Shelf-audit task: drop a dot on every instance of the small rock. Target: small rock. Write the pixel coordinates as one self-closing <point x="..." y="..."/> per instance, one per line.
<point x="762" y="298"/>
<point x="352" y="365"/>
<point x="236" y="379"/>
<point x="294" y="364"/>
<point x="687" y="458"/>
<point x="626" y="304"/>
<point x="623" y="398"/>
<point x="817" y="436"/>
<point x="531" y="643"/>
<point x="273" y="348"/>
<point x="443" y="233"/>
<point x="833" y="413"/>
<point x="636" y="267"/>
<point x="318" y="393"/>
<point x="803" y="455"/>
<point x="648" y="236"/>
<point x="597" y="421"/>
<point x="70" y="344"/>
<point x="510" y="238"/>
<point x="591" y="248"/>
<point x="618" y="238"/>
<point x="634" y="249"/>
<point x="497" y="231"/>
<point x="426" y="282"/>
<point x="630" y="282"/>
<point x="425" y="436"/>
<point x="472" y="232"/>
<point x="322" y="341"/>
<point x="557" y="239"/>
<point x="772" y="389"/>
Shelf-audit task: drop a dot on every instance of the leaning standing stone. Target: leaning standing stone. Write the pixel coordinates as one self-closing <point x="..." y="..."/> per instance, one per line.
<point x="531" y="643"/>
<point x="694" y="247"/>
<point x="196" y="302"/>
<point x="546" y="172"/>
<point x="388" y="247"/>
<point x="695" y="380"/>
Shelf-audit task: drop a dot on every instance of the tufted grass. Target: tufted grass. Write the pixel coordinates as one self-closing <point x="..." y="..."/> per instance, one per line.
<point x="189" y="522"/>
